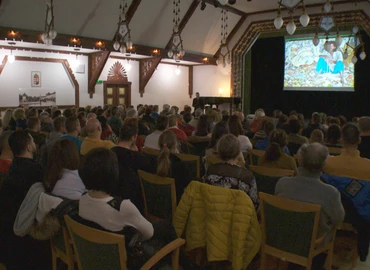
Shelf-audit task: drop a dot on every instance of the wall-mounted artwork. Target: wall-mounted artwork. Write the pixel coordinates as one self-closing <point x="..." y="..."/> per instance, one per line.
<point x="36" y="97"/>
<point x="35" y="79"/>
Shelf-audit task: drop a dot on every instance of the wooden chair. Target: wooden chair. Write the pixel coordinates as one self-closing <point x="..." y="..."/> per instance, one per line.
<point x="61" y="248"/>
<point x="159" y="195"/>
<point x="96" y="249"/>
<point x="289" y="231"/>
<point x="254" y="155"/>
<point x="266" y="178"/>
<point x="192" y="162"/>
<point x="199" y="144"/>
<point x="335" y="151"/>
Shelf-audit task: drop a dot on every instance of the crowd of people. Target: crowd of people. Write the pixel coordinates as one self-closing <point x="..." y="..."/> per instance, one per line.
<point x="92" y="155"/>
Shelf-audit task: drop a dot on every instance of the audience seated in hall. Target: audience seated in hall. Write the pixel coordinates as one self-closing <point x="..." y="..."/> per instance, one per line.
<point x="58" y="130"/>
<point x="6" y="154"/>
<point x="316" y="136"/>
<point x="186" y="127"/>
<point x="46" y="122"/>
<point x="194" y="122"/>
<point x="340" y="172"/>
<point x="244" y="122"/>
<point x="20" y="252"/>
<point x="169" y="165"/>
<point x="333" y="136"/>
<point x="172" y="126"/>
<point x="107" y="132"/>
<point x="307" y="187"/>
<point x="260" y="134"/>
<point x="315" y="124"/>
<point x="228" y="174"/>
<point x="61" y="173"/>
<point x="294" y="136"/>
<point x="263" y="144"/>
<point x="94" y="131"/>
<point x="129" y="161"/>
<point x="275" y="156"/>
<point x="114" y="121"/>
<point x="147" y="118"/>
<point x="73" y="129"/>
<point x="19" y="116"/>
<point x="283" y="122"/>
<point x="139" y="139"/>
<point x="155" y="111"/>
<point x="151" y="141"/>
<point x="34" y="127"/>
<point x="236" y="128"/>
<point x="364" y="146"/>
<point x="258" y="116"/>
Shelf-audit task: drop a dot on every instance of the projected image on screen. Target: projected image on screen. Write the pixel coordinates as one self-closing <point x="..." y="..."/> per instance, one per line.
<point x="312" y="68"/>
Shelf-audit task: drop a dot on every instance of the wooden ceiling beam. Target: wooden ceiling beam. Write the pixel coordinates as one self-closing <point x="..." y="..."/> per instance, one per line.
<point x="185" y="20"/>
<point x="232" y="33"/>
<point x="132" y="9"/>
<point x="227" y="7"/>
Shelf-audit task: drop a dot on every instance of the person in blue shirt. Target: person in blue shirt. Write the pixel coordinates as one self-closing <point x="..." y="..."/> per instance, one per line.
<point x="73" y="128"/>
<point x="262" y="144"/>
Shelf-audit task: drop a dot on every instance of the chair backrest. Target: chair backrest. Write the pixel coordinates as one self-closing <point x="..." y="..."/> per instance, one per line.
<point x="335" y="151"/>
<point x="96" y="249"/>
<point x="267" y="178"/>
<point x="159" y="195"/>
<point x="288" y="225"/>
<point x="200" y="144"/>
<point x="254" y="155"/>
<point x="192" y="163"/>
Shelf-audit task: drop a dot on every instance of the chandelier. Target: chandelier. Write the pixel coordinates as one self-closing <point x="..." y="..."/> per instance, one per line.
<point x="123" y="40"/>
<point x="176" y="51"/>
<point x="49" y="31"/>
<point x="224" y="57"/>
<point x="291" y="5"/>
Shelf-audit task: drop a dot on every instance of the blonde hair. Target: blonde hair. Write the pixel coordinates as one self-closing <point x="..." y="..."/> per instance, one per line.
<point x="6" y="118"/>
<point x="317" y="136"/>
<point x="167" y="143"/>
<point x="18" y="114"/>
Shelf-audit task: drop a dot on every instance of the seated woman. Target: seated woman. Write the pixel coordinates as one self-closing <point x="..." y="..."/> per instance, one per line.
<point x="275" y="156"/>
<point x="228" y="174"/>
<point x="333" y="136"/>
<point x="107" y="132"/>
<point x="237" y="130"/>
<point x="169" y="165"/>
<point x="316" y="136"/>
<point x="61" y="173"/>
<point x="220" y="129"/>
<point x="202" y="129"/>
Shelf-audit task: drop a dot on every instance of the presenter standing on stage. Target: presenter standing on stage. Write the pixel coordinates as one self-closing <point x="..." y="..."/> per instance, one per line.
<point x="197" y="102"/>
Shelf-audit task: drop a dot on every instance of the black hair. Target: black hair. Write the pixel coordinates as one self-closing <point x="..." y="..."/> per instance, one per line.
<point x="220" y="129"/>
<point x="127" y="131"/>
<point x="294" y="126"/>
<point x="18" y="141"/>
<point x="161" y="123"/>
<point x="351" y="133"/>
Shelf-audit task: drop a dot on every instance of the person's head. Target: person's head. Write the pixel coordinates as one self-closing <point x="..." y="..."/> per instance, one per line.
<point x="333" y="46"/>
<point x="4" y="144"/>
<point x="202" y="128"/>
<point x="99" y="170"/>
<point x="277" y="113"/>
<point x="56" y="113"/>
<point x="114" y="111"/>
<point x="350" y="135"/>
<point x="187" y="117"/>
<point x="312" y="157"/>
<point x="228" y="147"/>
<point x="317" y="136"/>
<point x="334" y="120"/>
<point x="155" y="108"/>
<point x="301" y="117"/>
<point x="93" y="128"/>
<point x="235" y="125"/>
<point x="21" y="143"/>
<point x="277" y="141"/>
<point x="268" y="128"/>
<point x="198" y="112"/>
<point x="131" y="121"/>
<point x="63" y="154"/>
<point x="166" y="107"/>
<point x="259" y="114"/>
<point x="33" y="112"/>
<point x="59" y="124"/>
<point x="91" y="116"/>
<point x="44" y="117"/>
<point x="73" y="125"/>
<point x="6" y="118"/>
<point x="18" y="114"/>
<point x="131" y="113"/>
<point x="172" y="120"/>
<point x="187" y="109"/>
<point x="316" y="118"/>
<point x="283" y="119"/>
<point x="161" y="123"/>
<point x="355" y="120"/>
<point x="67" y="113"/>
<point x="334" y="134"/>
<point x="323" y="118"/>
<point x="148" y="111"/>
<point x="167" y="143"/>
<point x="128" y="133"/>
<point x="342" y="120"/>
<point x="220" y="129"/>
<point x="364" y="124"/>
<point x="34" y="124"/>
<point x="293" y="112"/>
<point x="240" y="115"/>
<point x="103" y="122"/>
<point x="197" y="94"/>
<point x="294" y="126"/>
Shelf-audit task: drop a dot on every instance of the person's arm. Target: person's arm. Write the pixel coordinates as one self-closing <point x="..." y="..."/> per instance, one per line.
<point x="336" y="211"/>
<point x="132" y="217"/>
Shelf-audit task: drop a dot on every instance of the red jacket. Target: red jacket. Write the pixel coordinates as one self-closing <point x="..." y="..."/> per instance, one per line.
<point x="179" y="133"/>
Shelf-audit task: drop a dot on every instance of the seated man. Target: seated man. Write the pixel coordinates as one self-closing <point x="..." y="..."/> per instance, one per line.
<point x="34" y="127"/>
<point x="315" y="124"/>
<point x="172" y="123"/>
<point x="73" y="129"/>
<point x="58" y="130"/>
<point x="94" y="130"/>
<point x="151" y="141"/>
<point x="307" y="187"/>
<point x="344" y="172"/>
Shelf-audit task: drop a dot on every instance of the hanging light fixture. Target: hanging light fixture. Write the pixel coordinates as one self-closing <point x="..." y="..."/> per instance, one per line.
<point x="224" y="57"/>
<point x="291" y="27"/>
<point x="291" y="5"/>
<point x="177" y="51"/>
<point x="49" y="33"/>
<point x="304" y="19"/>
<point x="123" y="42"/>
<point x="328" y="6"/>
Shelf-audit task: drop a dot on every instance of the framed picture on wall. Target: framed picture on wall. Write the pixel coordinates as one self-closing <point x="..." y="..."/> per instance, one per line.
<point x="35" y="79"/>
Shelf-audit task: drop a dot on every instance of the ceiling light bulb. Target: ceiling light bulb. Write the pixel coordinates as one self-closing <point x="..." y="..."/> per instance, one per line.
<point x="43" y="37"/>
<point x="170" y="54"/>
<point x="128" y="67"/>
<point x="116" y="45"/>
<point x="338" y="40"/>
<point x="53" y="33"/>
<point x="354" y="59"/>
<point x="363" y="55"/>
<point x="11" y="58"/>
<point x="123" y="49"/>
<point x="177" y="71"/>
<point x="223" y="2"/>
<point x="129" y="43"/>
<point x="182" y="52"/>
<point x="327" y="7"/>
<point x="291" y="27"/>
<point x="304" y="19"/>
<point x="278" y="22"/>
<point x="355" y="29"/>
<point x="316" y="40"/>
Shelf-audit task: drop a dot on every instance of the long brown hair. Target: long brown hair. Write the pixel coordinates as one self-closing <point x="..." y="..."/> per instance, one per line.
<point x="167" y="144"/>
<point x="62" y="155"/>
<point x="235" y="125"/>
<point x="277" y="140"/>
<point x="202" y="126"/>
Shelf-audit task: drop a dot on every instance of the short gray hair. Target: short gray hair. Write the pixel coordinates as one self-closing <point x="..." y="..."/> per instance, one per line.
<point x="313" y="156"/>
<point x="131" y="113"/>
<point x="198" y="112"/>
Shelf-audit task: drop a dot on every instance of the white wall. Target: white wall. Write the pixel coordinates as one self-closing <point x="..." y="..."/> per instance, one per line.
<point x="208" y="80"/>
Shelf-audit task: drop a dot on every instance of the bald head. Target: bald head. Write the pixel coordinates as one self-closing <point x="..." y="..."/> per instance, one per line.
<point x="312" y="157"/>
<point x="93" y="127"/>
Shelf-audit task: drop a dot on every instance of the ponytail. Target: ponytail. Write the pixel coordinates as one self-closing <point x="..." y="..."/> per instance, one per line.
<point x="164" y="162"/>
<point x="273" y="152"/>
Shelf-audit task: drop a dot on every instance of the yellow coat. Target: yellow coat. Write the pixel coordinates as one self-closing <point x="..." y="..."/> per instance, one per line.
<point x="221" y="219"/>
